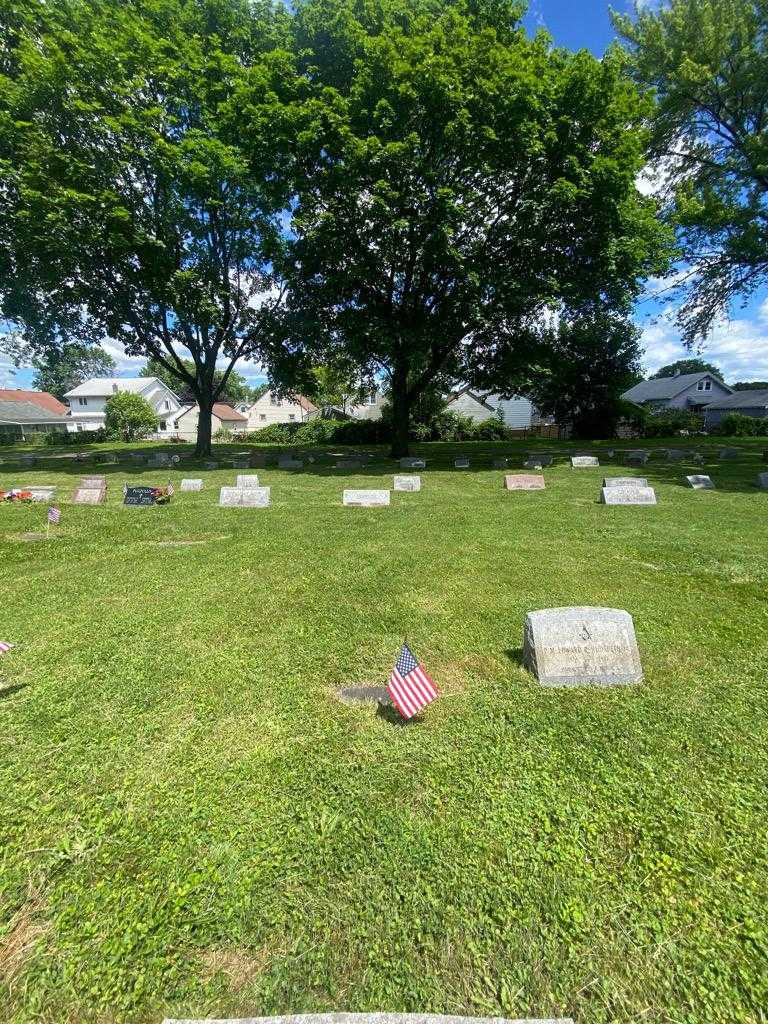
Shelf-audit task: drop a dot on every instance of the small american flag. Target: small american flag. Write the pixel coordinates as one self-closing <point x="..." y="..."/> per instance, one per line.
<point x="409" y="686"/>
<point x="5" y="647"/>
<point x="54" y="515"/>
<point x="169" y="490"/>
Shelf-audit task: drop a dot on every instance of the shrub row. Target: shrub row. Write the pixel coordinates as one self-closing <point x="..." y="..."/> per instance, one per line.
<point x="736" y="424"/>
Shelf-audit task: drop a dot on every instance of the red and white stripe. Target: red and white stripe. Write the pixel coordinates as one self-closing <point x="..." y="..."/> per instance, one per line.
<point x="412" y="692"/>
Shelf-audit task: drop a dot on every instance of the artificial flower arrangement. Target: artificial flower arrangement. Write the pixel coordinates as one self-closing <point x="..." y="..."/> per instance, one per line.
<point x="163" y="495"/>
<point x="16" y="495"/>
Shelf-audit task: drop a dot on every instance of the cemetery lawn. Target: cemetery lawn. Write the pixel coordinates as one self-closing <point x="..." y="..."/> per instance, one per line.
<point x="192" y="824"/>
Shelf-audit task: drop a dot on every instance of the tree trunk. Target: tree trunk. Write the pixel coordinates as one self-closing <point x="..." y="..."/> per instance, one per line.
<point x="203" y="446"/>
<point x="401" y="413"/>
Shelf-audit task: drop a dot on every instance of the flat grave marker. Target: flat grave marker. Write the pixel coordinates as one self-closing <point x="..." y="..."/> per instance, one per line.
<point x="762" y="481"/>
<point x="524" y="482"/>
<point x="91" y="482"/>
<point x="244" y="497"/>
<point x="461" y="463"/>
<point x="348" y="464"/>
<point x="191" y="484"/>
<point x="373" y="1018"/>
<point x="581" y="647"/>
<point x="247" y="480"/>
<point x="365" y="498"/>
<point x="42" y="492"/>
<point x="584" y="461"/>
<point x="88" y="495"/>
<point x="410" y="483"/>
<point x="412" y="463"/>
<point x="625" y="481"/>
<point x="700" y="482"/>
<point x="364" y="695"/>
<point x="628" y="496"/>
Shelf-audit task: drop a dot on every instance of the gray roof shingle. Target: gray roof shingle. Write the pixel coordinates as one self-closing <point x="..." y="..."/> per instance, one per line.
<point x="665" y="387"/>
<point x="741" y="400"/>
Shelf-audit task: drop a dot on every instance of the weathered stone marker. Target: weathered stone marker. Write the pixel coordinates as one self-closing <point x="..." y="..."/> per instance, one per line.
<point x="88" y="496"/>
<point x="637" y="457"/>
<point x="728" y="454"/>
<point x="290" y="464"/>
<point x="192" y="485"/>
<point x="461" y="463"/>
<point x="407" y="483"/>
<point x="625" y="481"/>
<point x="93" y="482"/>
<point x="762" y="481"/>
<point x="210" y="464"/>
<point x="700" y="482"/>
<point x="543" y="458"/>
<point x="628" y="496"/>
<point x="583" y="461"/>
<point x="348" y="464"/>
<point x="259" y="461"/>
<point x="524" y="482"/>
<point x="581" y="647"/>
<point x="411" y="463"/>
<point x="244" y="497"/>
<point x="249" y="480"/>
<point x="41" y="493"/>
<point x="533" y="464"/>
<point x="365" y="498"/>
<point x="675" y="454"/>
<point x="500" y="463"/>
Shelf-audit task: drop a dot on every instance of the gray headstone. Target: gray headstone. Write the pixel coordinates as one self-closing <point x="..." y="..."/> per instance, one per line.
<point x="373" y="1018"/>
<point x="461" y="463"/>
<point x="249" y="480"/>
<point x="628" y="496"/>
<point x="349" y="464"/>
<point x="244" y="497"/>
<point x="241" y="462"/>
<point x="41" y="493"/>
<point x="290" y="464"/>
<point x="581" y="647"/>
<point x="582" y="461"/>
<point x="675" y="455"/>
<point x="625" y="481"/>
<point x="191" y="485"/>
<point x="366" y="498"/>
<point x="543" y="458"/>
<point x="762" y="481"/>
<point x="533" y="464"/>
<point x="700" y="483"/>
<point x="259" y="461"/>
<point x="524" y="482"/>
<point x="93" y="482"/>
<point x="88" y="496"/>
<point x="210" y="464"/>
<point x="728" y="454"/>
<point x="409" y="483"/>
<point x="412" y="463"/>
<point x="500" y="463"/>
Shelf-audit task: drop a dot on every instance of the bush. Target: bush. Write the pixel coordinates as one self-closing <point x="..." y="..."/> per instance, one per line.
<point x="671" y="422"/>
<point x="129" y="416"/>
<point x="736" y="424"/>
<point x="64" y="437"/>
<point x="320" y="431"/>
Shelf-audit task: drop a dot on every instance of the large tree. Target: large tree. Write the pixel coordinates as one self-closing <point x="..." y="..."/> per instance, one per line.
<point x="706" y="61"/>
<point x="454" y="171"/>
<point x="128" y="211"/>
<point x="235" y="389"/>
<point x="694" y="365"/>
<point x="60" y="369"/>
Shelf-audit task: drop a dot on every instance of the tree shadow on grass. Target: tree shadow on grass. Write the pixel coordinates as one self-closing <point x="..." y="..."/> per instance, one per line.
<point x="389" y="713"/>
<point x="8" y="691"/>
<point x="515" y="655"/>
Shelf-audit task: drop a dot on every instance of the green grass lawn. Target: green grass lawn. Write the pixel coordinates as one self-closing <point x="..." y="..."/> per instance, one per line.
<point x="192" y="824"/>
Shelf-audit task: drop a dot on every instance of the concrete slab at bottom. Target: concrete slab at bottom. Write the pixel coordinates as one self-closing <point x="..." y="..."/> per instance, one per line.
<point x="370" y="1018"/>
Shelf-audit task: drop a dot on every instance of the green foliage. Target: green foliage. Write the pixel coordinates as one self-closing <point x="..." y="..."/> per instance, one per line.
<point x="671" y="422"/>
<point x="235" y="389"/>
<point x="687" y="366"/>
<point x="750" y="385"/>
<point x="128" y="417"/>
<point x="322" y="431"/>
<point x="446" y="159"/>
<point x="59" y="370"/>
<point x="74" y="439"/>
<point x="706" y="62"/>
<point x="736" y="424"/>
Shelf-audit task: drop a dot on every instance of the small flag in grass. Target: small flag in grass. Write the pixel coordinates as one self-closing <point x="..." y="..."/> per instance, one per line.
<point x="54" y="515"/>
<point x="5" y="647"/>
<point x="409" y="686"/>
<point x="169" y="490"/>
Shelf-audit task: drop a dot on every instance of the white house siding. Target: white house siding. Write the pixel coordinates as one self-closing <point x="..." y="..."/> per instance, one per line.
<point x="265" y="411"/>
<point x="517" y="413"/>
<point x="88" y="411"/>
<point x="370" y="410"/>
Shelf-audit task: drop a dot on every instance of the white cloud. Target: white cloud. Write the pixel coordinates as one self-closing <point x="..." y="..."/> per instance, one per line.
<point x="739" y="346"/>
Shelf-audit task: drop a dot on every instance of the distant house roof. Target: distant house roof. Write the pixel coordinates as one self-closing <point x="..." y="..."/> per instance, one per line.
<point x="741" y="400"/>
<point x="41" y="398"/>
<point x="305" y="403"/>
<point x="226" y="412"/>
<point x="474" y="395"/>
<point x="104" y="387"/>
<point x="666" y="387"/>
<point x="28" y="413"/>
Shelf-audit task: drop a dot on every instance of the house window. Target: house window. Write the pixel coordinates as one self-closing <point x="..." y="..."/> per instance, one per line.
<point x="291" y="416"/>
<point x="262" y="416"/>
<point x="82" y="401"/>
<point x="162" y="424"/>
<point x="369" y="400"/>
<point x="704" y="385"/>
<point x="166" y="406"/>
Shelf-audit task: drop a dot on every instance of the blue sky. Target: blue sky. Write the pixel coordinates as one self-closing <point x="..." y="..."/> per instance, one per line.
<point x="739" y="345"/>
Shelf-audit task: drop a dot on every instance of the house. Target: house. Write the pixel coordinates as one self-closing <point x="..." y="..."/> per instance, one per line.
<point x="87" y="401"/>
<point x="19" y="418"/>
<point x="272" y="408"/>
<point x="745" y="403"/>
<point x="40" y="398"/>
<point x="687" y="391"/>
<point x="223" y="417"/>
<point x="517" y="413"/>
